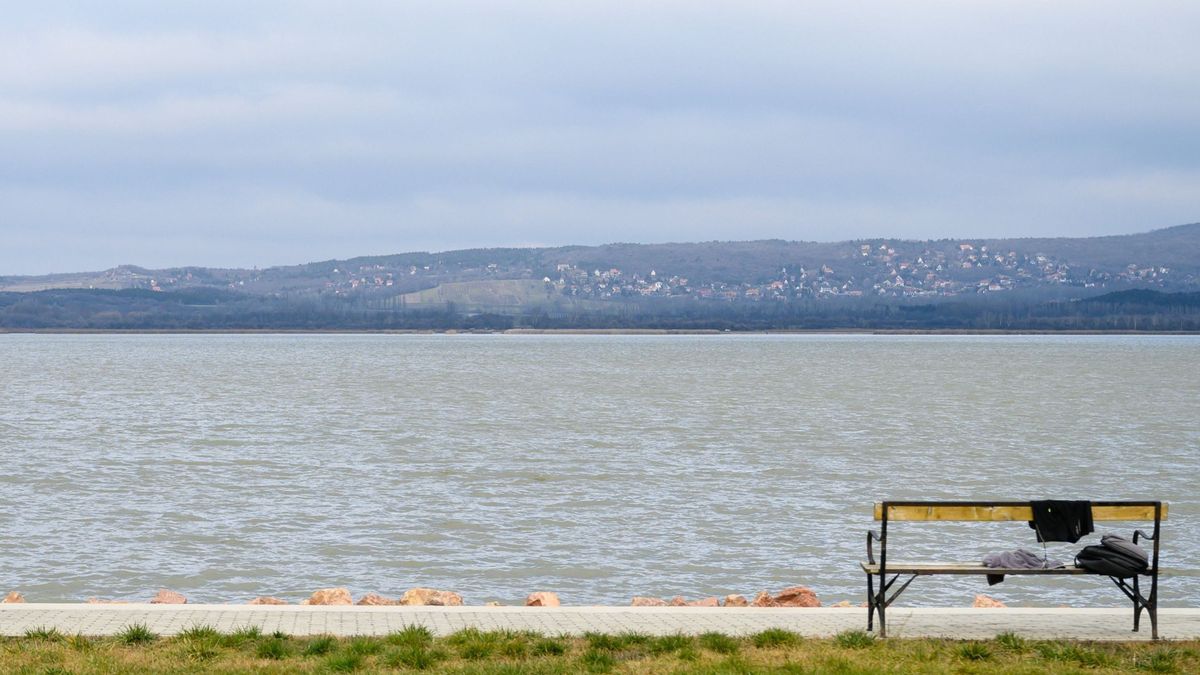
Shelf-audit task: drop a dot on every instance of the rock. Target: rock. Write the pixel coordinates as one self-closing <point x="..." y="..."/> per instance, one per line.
<point x="678" y="601"/>
<point x="796" y="596"/>
<point x="640" y="601"/>
<point x="418" y="596"/>
<point x="705" y="602"/>
<point x="267" y="600"/>
<point x="982" y="600"/>
<point x="98" y="601"/>
<point x="13" y="598"/>
<point x="763" y="599"/>
<point x="447" y="599"/>
<point x="329" y="596"/>
<point x="430" y="596"/>
<point x="165" y="597"/>
<point x="844" y="603"/>
<point x="736" y="600"/>
<point x="375" y="600"/>
<point x="542" y="599"/>
<point x="492" y="603"/>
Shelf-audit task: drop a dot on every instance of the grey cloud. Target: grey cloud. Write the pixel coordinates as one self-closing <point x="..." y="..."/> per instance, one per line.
<point x="267" y="133"/>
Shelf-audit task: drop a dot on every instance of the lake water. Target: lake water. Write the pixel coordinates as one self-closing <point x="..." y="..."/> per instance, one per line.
<point x="600" y="467"/>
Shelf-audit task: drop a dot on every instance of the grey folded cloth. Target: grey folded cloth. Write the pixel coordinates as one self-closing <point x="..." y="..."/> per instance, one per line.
<point x="1020" y="559"/>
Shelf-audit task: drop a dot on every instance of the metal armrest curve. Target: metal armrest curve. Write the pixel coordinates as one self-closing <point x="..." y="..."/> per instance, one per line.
<point x="872" y="535"/>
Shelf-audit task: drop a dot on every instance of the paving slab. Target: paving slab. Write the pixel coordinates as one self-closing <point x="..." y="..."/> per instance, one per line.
<point x="957" y="623"/>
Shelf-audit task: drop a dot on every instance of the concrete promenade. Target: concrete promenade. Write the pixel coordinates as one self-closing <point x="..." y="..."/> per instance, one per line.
<point x="964" y="623"/>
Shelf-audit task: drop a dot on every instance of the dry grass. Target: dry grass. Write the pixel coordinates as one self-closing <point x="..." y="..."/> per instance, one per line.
<point x="203" y="650"/>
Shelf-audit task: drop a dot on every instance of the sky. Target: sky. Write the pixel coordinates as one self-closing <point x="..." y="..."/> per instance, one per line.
<point x="243" y="134"/>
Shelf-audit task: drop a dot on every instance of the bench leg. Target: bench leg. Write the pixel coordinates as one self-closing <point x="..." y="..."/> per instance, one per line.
<point x="1137" y="605"/>
<point x="876" y="604"/>
<point x="1149" y="604"/>
<point x="870" y="602"/>
<point x="1152" y="606"/>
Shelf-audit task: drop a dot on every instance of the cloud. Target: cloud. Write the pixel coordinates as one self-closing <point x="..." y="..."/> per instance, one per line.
<point x="260" y="133"/>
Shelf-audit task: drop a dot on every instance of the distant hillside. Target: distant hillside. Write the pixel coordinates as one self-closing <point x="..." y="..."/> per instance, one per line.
<point x="751" y="271"/>
<point x="1145" y="298"/>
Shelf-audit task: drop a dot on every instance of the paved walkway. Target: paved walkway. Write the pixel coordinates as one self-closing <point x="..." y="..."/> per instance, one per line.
<point x="1089" y="624"/>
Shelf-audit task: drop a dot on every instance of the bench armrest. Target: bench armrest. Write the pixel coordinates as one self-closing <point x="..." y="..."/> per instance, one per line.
<point x="872" y="535"/>
<point x="1143" y="535"/>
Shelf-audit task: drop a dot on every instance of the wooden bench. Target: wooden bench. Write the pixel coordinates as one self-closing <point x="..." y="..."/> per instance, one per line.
<point x="890" y="511"/>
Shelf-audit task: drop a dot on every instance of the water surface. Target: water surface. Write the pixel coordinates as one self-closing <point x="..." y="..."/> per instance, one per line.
<point x="600" y="467"/>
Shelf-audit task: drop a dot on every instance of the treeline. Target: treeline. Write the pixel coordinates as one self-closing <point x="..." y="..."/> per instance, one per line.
<point x="211" y="309"/>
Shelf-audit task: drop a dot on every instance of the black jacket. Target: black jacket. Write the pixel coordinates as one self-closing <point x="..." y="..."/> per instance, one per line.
<point x="1061" y="520"/>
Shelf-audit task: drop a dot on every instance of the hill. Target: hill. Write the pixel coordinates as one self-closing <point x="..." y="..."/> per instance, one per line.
<point x="1167" y="259"/>
<point x="1105" y="283"/>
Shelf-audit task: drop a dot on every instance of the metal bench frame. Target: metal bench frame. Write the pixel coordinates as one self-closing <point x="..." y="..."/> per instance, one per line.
<point x="878" y="600"/>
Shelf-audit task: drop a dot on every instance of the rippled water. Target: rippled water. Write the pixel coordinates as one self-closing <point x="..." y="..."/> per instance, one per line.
<point x="597" y="466"/>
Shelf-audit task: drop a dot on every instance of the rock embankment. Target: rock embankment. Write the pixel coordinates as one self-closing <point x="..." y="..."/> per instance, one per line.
<point x="329" y="596"/>
<point x="267" y="600"/>
<point x="982" y="600"/>
<point x="793" y="596"/>
<point x="166" y="597"/>
<point x="542" y="599"/>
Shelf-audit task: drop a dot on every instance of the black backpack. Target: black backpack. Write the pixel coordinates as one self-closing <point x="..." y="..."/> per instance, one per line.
<point x="1114" y="556"/>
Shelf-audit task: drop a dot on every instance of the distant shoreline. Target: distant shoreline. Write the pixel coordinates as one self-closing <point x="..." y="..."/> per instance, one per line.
<point x="578" y="331"/>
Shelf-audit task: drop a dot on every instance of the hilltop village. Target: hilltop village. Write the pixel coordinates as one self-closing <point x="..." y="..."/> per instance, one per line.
<point x="879" y="271"/>
<point x="768" y="271"/>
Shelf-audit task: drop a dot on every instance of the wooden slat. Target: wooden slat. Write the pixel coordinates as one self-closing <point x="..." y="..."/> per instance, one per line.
<point x="1007" y="512"/>
<point x="922" y="568"/>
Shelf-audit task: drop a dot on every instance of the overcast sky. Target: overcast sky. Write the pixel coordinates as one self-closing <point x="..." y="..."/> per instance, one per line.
<point x="262" y="133"/>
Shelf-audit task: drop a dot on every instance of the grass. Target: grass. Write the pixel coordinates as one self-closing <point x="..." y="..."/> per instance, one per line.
<point x="720" y="643"/>
<point x="775" y="637"/>
<point x="416" y="657"/>
<point x="975" y="651"/>
<point x="411" y="636"/>
<point x="322" y="644"/>
<point x="43" y="634"/>
<point x="854" y="639"/>
<point x="275" y="649"/>
<point x="202" y="649"/>
<point x="136" y="634"/>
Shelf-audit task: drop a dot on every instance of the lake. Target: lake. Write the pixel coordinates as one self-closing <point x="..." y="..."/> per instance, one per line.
<point x="599" y="467"/>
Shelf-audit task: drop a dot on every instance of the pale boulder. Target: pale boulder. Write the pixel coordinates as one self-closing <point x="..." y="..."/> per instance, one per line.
<point x="374" y="600"/>
<point x="12" y="598"/>
<point x="763" y="599"/>
<point x="542" y="599"/>
<point x="329" y="596"/>
<point x="796" y="596"/>
<point x="705" y="602"/>
<point x="678" y="601"/>
<point x="418" y="596"/>
<point x="982" y="600"/>
<point x="165" y="597"/>
<point x="447" y="599"/>
<point x="267" y="600"/>
<point x="430" y="596"/>
<point x="640" y="601"/>
<point x="736" y="600"/>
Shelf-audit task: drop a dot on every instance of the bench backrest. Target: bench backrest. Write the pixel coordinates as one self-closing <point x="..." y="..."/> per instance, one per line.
<point x="1004" y="511"/>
